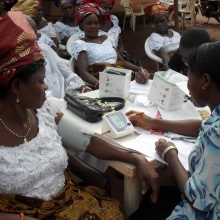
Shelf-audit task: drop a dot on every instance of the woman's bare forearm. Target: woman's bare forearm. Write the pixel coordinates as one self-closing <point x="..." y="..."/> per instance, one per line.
<point x="185" y="127"/>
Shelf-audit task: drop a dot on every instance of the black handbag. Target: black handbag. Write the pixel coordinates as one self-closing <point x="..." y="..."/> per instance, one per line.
<point x="92" y="109"/>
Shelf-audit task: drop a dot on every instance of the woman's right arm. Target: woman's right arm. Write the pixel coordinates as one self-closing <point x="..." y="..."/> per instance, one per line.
<point x="82" y="67"/>
<point x="164" y="56"/>
<point x="185" y="127"/>
<point x="7" y="216"/>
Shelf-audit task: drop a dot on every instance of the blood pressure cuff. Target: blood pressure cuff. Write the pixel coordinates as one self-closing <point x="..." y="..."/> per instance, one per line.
<point x="72" y="135"/>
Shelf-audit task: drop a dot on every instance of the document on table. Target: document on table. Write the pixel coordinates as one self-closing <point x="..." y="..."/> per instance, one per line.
<point x="137" y="88"/>
<point x="188" y="111"/>
<point x="146" y="145"/>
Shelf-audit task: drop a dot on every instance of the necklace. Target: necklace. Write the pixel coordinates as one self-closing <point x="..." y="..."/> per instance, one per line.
<point x="25" y="136"/>
<point x="69" y="23"/>
<point x="97" y="41"/>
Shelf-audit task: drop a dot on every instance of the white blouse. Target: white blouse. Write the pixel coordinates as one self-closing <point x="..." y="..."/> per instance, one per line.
<point x="36" y="168"/>
<point x="96" y="53"/>
<point x="63" y="30"/>
<point x="169" y="44"/>
<point x="45" y="40"/>
<point x="48" y="30"/>
<point x="114" y="31"/>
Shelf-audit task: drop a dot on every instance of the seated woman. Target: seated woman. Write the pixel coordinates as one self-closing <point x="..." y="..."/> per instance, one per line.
<point x="200" y="186"/>
<point x="2" y="9"/>
<point x="45" y="27"/>
<point x="94" y="53"/>
<point x="66" y="26"/>
<point x="59" y="78"/>
<point x="34" y="178"/>
<point x="165" y="41"/>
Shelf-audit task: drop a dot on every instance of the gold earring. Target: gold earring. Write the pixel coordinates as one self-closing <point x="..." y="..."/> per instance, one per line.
<point x="18" y="98"/>
<point x="203" y="88"/>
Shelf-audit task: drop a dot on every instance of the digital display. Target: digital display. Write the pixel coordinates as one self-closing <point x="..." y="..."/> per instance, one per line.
<point x="117" y="121"/>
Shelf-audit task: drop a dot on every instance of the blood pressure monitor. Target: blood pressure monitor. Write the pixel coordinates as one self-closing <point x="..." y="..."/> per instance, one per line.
<point x="117" y="124"/>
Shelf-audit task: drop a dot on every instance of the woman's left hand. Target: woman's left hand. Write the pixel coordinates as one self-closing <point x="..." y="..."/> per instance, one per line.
<point x="161" y="145"/>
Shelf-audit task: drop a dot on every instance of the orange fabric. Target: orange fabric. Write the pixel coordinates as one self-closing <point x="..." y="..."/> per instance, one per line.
<point x="156" y="9"/>
<point x="18" y="45"/>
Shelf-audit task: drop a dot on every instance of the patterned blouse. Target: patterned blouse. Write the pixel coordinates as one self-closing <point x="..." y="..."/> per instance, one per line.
<point x="203" y="187"/>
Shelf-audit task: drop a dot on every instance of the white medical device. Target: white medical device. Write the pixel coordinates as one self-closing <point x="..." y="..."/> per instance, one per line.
<point x="116" y="124"/>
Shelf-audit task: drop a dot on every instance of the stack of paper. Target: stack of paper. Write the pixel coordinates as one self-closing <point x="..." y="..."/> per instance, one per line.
<point x="137" y="88"/>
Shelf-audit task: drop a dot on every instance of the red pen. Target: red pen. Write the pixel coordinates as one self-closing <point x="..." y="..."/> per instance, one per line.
<point x="138" y="113"/>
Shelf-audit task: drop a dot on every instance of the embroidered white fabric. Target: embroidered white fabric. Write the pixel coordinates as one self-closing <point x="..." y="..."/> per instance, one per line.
<point x="114" y="31"/>
<point x="45" y="40"/>
<point x="59" y="78"/>
<point x="169" y="44"/>
<point x="63" y="30"/>
<point x="36" y="168"/>
<point x="48" y="30"/>
<point x="96" y="53"/>
<point x="81" y="34"/>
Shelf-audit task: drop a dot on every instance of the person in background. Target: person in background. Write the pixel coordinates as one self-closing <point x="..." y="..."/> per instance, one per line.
<point x="200" y="185"/>
<point x="34" y="178"/>
<point x="2" y="9"/>
<point x="45" y="27"/>
<point x="59" y="78"/>
<point x="191" y="40"/>
<point x="165" y="41"/>
<point x="94" y="53"/>
<point x="67" y="25"/>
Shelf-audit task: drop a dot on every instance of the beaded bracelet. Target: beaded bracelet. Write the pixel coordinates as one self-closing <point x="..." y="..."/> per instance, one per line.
<point x="167" y="149"/>
<point x="22" y="216"/>
<point x="96" y="85"/>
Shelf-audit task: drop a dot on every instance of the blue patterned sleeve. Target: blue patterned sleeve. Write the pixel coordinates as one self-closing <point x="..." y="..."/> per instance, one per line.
<point x="203" y="187"/>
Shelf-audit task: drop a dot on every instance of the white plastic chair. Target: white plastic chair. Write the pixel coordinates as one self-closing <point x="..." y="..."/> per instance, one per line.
<point x="150" y="54"/>
<point x="189" y="9"/>
<point x="132" y="11"/>
<point x="68" y="45"/>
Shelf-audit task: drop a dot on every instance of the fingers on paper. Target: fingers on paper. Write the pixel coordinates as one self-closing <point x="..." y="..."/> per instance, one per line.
<point x="131" y="112"/>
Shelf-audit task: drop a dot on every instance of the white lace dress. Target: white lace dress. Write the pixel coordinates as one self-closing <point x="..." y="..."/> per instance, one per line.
<point x="59" y="78"/>
<point x="96" y="53"/>
<point x="48" y="30"/>
<point x="44" y="39"/>
<point x="36" y="168"/>
<point x="63" y="30"/>
<point x="169" y="44"/>
<point x="114" y="31"/>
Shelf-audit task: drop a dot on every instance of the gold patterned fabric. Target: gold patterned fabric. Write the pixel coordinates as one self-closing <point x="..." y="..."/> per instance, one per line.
<point x="27" y="7"/>
<point x="94" y="69"/>
<point x="18" y="45"/>
<point x="72" y="203"/>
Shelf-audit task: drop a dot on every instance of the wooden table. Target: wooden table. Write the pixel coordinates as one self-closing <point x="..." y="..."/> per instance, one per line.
<point x="132" y="192"/>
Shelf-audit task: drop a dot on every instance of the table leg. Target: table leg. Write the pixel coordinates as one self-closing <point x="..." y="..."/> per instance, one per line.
<point x="132" y="195"/>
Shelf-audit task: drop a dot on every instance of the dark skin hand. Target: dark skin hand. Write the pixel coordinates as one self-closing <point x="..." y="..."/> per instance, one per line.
<point x="146" y="174"/>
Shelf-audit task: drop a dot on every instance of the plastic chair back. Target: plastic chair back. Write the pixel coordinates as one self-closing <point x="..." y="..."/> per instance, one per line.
<point x="68" y="45"/>
<point x="126" y="4"/>
<point x="150" y="54"/>
<point x="165" y="2"/>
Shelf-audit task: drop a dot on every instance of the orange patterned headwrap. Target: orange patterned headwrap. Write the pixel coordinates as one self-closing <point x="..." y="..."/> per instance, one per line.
<point x="156" y="9"/>
<point x="18" y="46"/>
<point x="27" y="7"/>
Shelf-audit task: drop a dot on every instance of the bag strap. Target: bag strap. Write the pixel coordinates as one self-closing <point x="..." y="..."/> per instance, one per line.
<point x="114" y="99"/>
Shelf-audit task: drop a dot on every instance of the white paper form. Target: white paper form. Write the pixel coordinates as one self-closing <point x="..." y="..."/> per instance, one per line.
<point x="188" y="111"/>
<point x="137" y="88"/>
<point x="150" y="111"/>
<point x="146" y="144"/>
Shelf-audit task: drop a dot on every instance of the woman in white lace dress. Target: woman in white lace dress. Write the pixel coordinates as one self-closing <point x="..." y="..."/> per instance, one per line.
<point x="34" y="179"/>
<point x="45" y="27"/>
<point x="94" y="53"/>
<point x="66" y="26"/>
<point x="165" y="41"/>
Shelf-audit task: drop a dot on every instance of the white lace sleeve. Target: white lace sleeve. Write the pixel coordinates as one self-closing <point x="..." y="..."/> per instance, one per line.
<point x="51" y="30"/>
<point x="77" y="47"/>
<point x="46" y="40"/>
<point x="112" y="41"/>
<point x="53" y="105"/>
<point x="156" y="42"/>
<point x="59" y="30"/>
